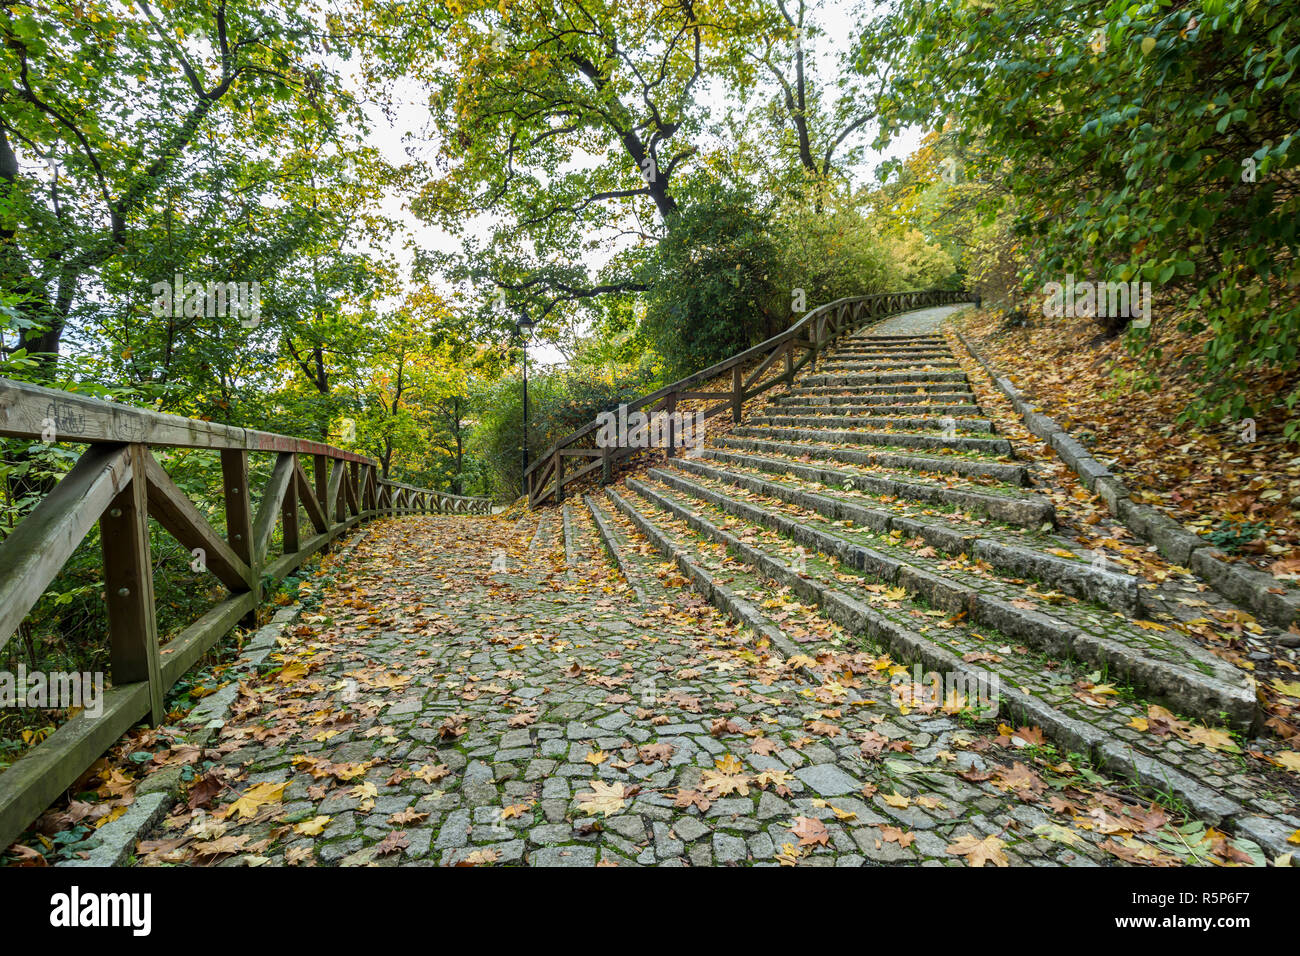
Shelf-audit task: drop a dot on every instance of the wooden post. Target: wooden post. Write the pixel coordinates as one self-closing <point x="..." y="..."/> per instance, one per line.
<point x="789" y="363"/>
<point x="128" y="587"/>
<point x="670" y="409"/>
<point x="606" y="466"/>
<point x="289" y="517"/>
<point x="239" y="520"/>
<point x="737" y="394"/>
<point x="559" y="476"/>
<point x="320" y="472"/>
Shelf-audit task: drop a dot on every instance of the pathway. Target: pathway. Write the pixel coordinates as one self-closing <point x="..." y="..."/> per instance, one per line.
<point x="567" y="690"/>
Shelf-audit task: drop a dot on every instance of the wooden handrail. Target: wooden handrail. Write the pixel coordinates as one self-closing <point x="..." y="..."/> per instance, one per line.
<point x="119" y="484"/>
<point x="817" y="330"/>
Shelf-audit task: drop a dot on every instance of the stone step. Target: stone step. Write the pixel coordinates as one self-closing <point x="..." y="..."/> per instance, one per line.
<point x="839" y="420"/>
<point x="993" y="447"/>
<point x="712" y="587"/>
<point x="787" y="408"/>
<point x="615" y="543"/>
<point x="544" y="537"/>
<point x="889" y="361"/>
<point x="871" y="351"/>
<point x="1025" y="686"/>
<point x="897" y="339"/>
<point x="856" y="379"/>
<point x="1073" y="576"/>
<point x="1182" y="675"/>
<point x="893" y="355"/>
<point x="1011" y="474"/>
<point x="1024" y="510"/>
<point x="572" y="548"/>
<point x="838" y="364"/>
<point x="879" y="360"/>
<point x="892" y="400"/>
<point x="917" y="388"/>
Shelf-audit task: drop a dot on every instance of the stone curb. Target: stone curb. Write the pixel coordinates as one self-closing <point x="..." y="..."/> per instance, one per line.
<point x="1255" y="590"/>
<point x="570" y="546"/>
<point x="116" y="841"/>
<point x="611" y="545"/>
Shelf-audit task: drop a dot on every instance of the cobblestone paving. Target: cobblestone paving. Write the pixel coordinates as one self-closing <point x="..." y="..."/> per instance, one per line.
<point x="430" y="708"/>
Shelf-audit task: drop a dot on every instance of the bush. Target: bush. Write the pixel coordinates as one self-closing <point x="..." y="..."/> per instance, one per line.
<point x="714" y="281"/>
<point x="830" y="251"/>
<point x="558" y="403"/>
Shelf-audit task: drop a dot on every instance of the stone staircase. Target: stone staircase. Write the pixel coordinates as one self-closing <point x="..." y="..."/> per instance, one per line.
<point x="875" y="499"/>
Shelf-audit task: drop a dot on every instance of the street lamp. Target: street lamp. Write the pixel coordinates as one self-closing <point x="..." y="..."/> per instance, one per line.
<point x="521" y="324"/>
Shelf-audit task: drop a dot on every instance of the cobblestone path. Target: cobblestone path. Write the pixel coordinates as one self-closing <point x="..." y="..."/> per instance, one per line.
<point x="565" y="689"/>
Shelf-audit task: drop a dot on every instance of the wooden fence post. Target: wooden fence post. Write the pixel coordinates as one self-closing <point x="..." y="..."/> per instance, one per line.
<point x="320" y="473"/>
<point x="737" y="394"/>
<point x="128" y="587"/>
<point x="289" y="516"/>
<point x="670" y="409"/>
<point x="559" y="476"/>
<point x="239" y="521"/>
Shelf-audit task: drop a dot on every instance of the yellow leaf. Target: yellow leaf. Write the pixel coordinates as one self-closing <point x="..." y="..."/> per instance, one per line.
<point x="1289" y="759"/>
<point x="1290" y="689"/>
<point x="729" y="764"/>
<point x="1213" y="739"/>
<point x="608" y="799"/>
<point x="978" y="852"/>
<point x="256" y="797"/>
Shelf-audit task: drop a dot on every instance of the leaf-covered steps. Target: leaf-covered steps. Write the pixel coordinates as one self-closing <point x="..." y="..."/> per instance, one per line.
<point x="1008" y="473"/>
<point x="889" y="408"/>
<point x="616" y="546"/>
<point x="993" y="447"/>
<point x="877" y="388"/>
<point x="837" y="417"/>
<point x="1027" y="510"/>
<point x="1116" y="591"/>
<point x="1178" y="673"/>
<point x="1106" y="744"/>
<point x="855" y="379"/>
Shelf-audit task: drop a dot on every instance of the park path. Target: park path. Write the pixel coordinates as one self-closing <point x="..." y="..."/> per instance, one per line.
<point x="666" y="673"/>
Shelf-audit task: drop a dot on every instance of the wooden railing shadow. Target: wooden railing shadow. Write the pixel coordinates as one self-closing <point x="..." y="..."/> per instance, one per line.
<point x="119" y="484"/>
<point x="794" y="349"/>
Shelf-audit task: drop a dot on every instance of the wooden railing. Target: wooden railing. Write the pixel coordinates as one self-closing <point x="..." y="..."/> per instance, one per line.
<point x="118" y="483"/>
<point x="794" y="349"/>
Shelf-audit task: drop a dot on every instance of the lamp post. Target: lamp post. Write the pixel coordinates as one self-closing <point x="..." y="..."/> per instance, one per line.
<point x="521" y="324"/>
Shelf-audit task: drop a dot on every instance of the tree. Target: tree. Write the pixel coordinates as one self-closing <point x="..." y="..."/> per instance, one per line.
<point x="1137" y="143"/>
<point x="101" y="105"/>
